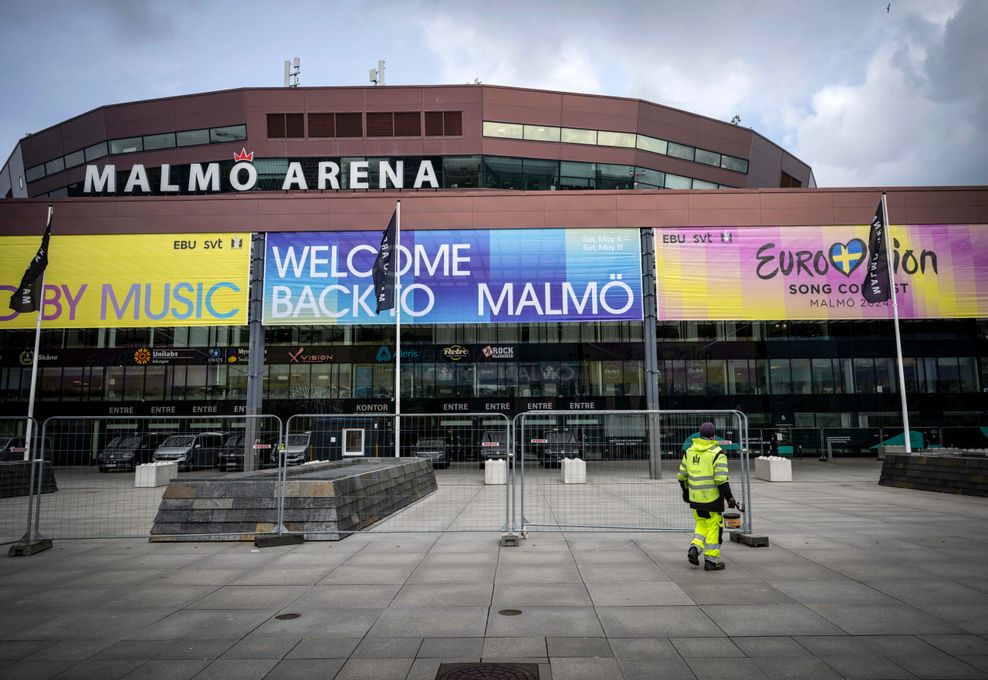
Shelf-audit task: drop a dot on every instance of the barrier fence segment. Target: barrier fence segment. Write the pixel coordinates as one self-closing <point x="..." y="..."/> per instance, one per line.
<point x="455" y="448"/>
<point x="16" y="476"/>
<point x="106" y="489"/>
<point x="624" y="489"/>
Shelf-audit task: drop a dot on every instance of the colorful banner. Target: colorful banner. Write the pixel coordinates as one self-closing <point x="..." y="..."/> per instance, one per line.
<point x="456" y="276"/>
<point x="126" y="281"/>
<point x="755" y="273"/>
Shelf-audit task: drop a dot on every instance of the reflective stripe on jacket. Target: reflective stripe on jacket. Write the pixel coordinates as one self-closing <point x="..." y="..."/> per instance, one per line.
<point x="704" y="469"/>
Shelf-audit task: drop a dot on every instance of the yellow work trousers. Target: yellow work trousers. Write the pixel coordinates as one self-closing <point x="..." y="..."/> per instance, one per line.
<point x="707" y="535"/>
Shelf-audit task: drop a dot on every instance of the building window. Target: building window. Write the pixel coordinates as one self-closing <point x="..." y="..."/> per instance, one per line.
<point x="681" y="151"/>
<point x="623" y="139"/>
<point x="443" y="123"/>
<point x="732" y="163"/>
<point x="322" y="125"/>
<point x="408" y="124"/>
<point x="708" y="157"/>
<point x="652" y="144"/>
<point x="37" y="172"/>
<point x="286" y="125"/>
<point x="702" y="184"/>
<point x="789" y="182"/>
<point x="127" y="145"/>
<point x="380" y="125"/>
<point x="163" y="141"/>
<point x="677" y="182"/>
<point x="95" y="151"/>
<point x="541" y="133"/>
<point x="229" y="133"/>
<point x="349" y="125"/>
<point x="75" y="158"/>
<point x="192" y="137"/>
<point x="506" y="130"/>
<point x="53" y="166"/>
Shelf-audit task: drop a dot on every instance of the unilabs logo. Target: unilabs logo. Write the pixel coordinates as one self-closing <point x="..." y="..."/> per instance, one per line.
<point x="455" y="352"/>
<point x="142" y="356"/>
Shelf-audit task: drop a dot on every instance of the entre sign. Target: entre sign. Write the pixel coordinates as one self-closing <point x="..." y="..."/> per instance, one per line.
<point x="243" y="177"/>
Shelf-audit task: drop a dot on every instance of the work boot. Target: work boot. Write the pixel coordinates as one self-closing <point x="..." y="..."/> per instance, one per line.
<point x="693" y="555"/>
<point x="713" y="566"/>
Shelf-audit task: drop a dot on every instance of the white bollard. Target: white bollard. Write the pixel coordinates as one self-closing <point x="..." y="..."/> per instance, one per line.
<point x="773" y="469"/>
<point x="495" y="471"/>
<point x="150" y="475"/>
<point x="574" y="471"/>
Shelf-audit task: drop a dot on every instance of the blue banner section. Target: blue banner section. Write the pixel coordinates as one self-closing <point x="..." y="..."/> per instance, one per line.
<point x="462" y="276"/>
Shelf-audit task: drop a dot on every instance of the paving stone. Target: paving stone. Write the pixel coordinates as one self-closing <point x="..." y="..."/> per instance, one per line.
<point x="134" y="649"/>
<point x="870" y="667"/>
<point x="451" y="594"/>
<point x="637" y="594"/>
<point x="770" y="619"/>
<point x="305" y="669"/>
<point x="241" y="669"/>
<point x="574" y="647"/>
<point x="261" y="647"/>
<point x="343" y="622"/>
<point x="663" y="667"/>
<point x="725" y="669"/>
<point x="513" y="647"/>
<point x="451" y="648"/>
<point x="250" y="597"/>
<point x="643" y="649"/>
<point x="884" y="620"/>
<point x="546" y="621"/>
<point x="387" y="648"/>
<point x="512" y="596"/>
<point x="36" y="670"/>
<point x="958" y="645"/>
<point x="426" y="669"/>
<point x="585" y="669"/>
<point x="706" y="647"/>
<point x="324" y="648"/>
<point x="660" y="622"/>
<point x="195" y="650"/>
<point x="431" y="622"/>
<point x="795" y="668"/>
<point x="170" y="669"/>
<point x="100" y="669"/>
<point x="19" y="649"/>
<point x="375" y="669"/>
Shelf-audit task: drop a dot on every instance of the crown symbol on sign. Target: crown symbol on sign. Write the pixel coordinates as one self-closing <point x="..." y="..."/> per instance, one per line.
<point x="243" y="155"/>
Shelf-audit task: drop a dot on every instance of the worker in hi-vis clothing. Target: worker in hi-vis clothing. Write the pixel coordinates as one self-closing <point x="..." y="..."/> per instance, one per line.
<point x="704" y="480"/>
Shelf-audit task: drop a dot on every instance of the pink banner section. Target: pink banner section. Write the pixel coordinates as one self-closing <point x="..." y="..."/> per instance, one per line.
<point x="756" y="273"/>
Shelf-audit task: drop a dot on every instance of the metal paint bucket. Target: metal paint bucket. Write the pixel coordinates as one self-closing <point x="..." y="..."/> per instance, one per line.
<point x="732" y="520"/>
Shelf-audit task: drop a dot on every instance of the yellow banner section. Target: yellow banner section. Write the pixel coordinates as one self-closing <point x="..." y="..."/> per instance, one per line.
<point x="132" y="280"/>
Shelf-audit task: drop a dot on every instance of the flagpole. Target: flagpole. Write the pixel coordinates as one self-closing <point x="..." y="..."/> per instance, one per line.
<point x="34" y="361"/>
<point x="898" y="338"/>
<point x="397" y="270"/>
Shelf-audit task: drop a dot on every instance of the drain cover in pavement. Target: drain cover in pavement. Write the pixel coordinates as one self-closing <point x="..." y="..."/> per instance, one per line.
<point x="287" y="617"/>
<point x="488" y="671"/>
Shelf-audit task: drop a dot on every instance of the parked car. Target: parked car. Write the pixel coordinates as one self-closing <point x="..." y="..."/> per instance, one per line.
<point x="12" y="448"/>
<point x="193" y="450"/>
<point x="297" y="448"/>
<point x="493" y="446"/>
<point x="560" y="444"/>
<point x="231" y="456"/>
<point x="127" y="451"/>
<point x="434" y="449"/>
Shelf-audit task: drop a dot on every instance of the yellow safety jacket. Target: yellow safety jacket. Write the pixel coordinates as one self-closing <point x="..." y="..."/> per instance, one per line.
<point x="702" y="472"/>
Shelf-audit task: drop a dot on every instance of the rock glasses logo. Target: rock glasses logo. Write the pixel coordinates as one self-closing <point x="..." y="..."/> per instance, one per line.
<point x="492" y="352"/>
<point x="142" y="356"/>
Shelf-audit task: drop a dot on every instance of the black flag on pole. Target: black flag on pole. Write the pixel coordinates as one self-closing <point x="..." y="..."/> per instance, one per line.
<point x="27" y="298"/>
<point x="876" y="284"/>
<point x="384" y="279"/>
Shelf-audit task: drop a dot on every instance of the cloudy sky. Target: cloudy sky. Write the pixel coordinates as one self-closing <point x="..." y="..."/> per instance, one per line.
<point x="866" y="95"/>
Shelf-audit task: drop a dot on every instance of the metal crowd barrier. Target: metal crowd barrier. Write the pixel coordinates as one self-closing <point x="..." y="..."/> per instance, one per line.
<point x="95" y="460"/>
<point x="16" y="475"/>
<point x="631" y="458"/>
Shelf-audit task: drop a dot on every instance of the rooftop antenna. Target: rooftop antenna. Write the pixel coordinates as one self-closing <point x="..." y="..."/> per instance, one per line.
<point x="377" y="74"/>
<point x="293" y="70"/>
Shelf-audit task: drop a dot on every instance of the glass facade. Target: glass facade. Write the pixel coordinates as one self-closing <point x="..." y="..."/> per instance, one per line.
<point x="814" y="368"/>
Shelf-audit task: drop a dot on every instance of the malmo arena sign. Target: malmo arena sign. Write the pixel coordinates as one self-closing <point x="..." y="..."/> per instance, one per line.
<point x="205" y="177"/>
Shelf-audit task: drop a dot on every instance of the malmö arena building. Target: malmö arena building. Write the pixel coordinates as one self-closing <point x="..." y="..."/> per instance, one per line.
<point x="541" y="235"/>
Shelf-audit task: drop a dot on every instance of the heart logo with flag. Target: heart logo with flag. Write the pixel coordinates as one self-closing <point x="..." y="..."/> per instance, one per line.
<point x="846" y="257"/>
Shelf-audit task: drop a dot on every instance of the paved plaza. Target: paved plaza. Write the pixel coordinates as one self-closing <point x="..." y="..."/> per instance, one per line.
<point x="860" y="582"/>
